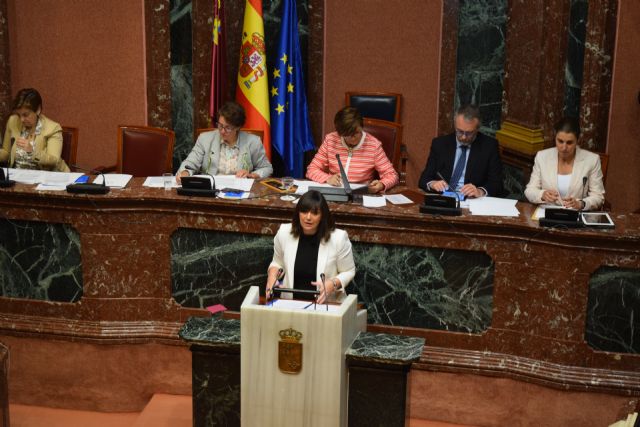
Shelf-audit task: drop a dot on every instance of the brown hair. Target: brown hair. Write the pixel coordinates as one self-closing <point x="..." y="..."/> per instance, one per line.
<point x="28" y="98"/>
<point x="313" y="201"/>
<point x="568" y="125"/>
<point x="233" y="113"/>
<point x="347" y="121"/>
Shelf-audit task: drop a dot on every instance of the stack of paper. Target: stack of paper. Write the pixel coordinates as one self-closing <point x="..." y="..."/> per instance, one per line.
<point x="493" y="206"/>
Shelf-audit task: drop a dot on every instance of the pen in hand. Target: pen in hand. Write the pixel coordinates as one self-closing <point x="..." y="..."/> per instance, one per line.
<point x="445" y="181"/>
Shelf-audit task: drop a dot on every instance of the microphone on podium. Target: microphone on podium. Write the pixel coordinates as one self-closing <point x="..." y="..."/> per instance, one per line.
<point x="5" y="182"/>
<point x="88" y="188"/>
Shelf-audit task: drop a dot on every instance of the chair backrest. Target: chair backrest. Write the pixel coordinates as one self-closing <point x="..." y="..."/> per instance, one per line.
<point x="69" y="145"/>
<point x="376" y="105"/>
<point x="390" y="135"/>
<point x="145" y="151"/>
<point x="257" y="132"/>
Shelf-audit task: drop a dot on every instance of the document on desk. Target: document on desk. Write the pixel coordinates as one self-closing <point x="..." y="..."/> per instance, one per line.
<point x="493" y="206"/>
<point x="158" y="182"/>
<point x="26" y="176"/>
<point x="113" y="180"/>
<point x="290" y="304"/>
<point x="56" y="181"/>
<point x="373" y="201"/>
<point x="230" y="181"/>
<point x="398" y="199"/>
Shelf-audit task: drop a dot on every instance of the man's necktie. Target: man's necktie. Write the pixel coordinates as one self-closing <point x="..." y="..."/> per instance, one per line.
<point x="460" y="164"/>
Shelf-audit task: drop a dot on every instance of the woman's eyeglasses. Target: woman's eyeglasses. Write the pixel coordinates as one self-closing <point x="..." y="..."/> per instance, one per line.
<point x="225" y="128"/>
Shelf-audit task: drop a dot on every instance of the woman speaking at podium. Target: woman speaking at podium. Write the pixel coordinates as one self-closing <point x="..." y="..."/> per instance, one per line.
<point x="311" y="249"/>
<point x="565" y="174"/>
<point x="32" y="141"/>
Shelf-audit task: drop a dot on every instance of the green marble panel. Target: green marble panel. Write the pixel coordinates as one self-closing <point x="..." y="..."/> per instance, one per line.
<point x="40" y="261"/>
<point x="400" y="285"/>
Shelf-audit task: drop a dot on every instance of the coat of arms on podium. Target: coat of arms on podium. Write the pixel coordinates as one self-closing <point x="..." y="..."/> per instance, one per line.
<point x="290" y="351"/>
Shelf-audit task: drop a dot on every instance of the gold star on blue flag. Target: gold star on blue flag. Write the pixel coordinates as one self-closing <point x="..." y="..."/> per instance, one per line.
<point x="290" y="128"/>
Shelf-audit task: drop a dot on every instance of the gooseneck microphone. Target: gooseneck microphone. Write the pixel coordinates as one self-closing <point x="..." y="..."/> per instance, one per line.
<point x="88" y="188"/>
<point x="584" y="187"/>
<point x="324" y="290"/>
<point x="5" y="182"/>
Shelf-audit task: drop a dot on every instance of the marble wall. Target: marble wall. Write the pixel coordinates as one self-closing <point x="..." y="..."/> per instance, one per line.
<point x="443" y="289"/>
<point x="181" y="78"/>
<point x="481" y="57"/>
<point x="40" y="261"/>
<point x="574" y="65"/>
<point x="613" y="317"/>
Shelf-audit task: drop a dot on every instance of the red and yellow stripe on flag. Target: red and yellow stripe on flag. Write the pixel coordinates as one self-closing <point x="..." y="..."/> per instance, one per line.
<point x="253" y="85"/>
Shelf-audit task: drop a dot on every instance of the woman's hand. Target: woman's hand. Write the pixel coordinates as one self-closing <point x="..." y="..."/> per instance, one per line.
<point x="551" y="196"/>
<point x="375" y="186"/>
<point x="329" y="288"/>
<point x="24" y="144"/>
<point x="180" y="175"/>
<point x="335" y="180"/>
<point x="572" y="203"/>
<point x="243" y="173"/>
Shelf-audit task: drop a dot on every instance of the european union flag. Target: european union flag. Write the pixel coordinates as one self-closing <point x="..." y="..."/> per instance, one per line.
<point x="290" y="129"/>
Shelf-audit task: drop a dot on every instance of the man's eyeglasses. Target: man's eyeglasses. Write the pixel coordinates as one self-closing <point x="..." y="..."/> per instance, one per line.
<point x="225" y="128"/>
<point x="466" y="134"/>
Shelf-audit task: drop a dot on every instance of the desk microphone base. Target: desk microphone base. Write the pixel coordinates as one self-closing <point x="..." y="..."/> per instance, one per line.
<point x="87" y="189"/>
<point x="436" y="210"/>
<point x="197" y="192"/>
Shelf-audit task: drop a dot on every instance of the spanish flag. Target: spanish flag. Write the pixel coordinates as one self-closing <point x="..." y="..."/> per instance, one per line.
<point x="253" y="88"/>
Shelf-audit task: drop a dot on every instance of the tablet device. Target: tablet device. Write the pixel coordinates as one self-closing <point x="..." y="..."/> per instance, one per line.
<point x="597" y="219"/>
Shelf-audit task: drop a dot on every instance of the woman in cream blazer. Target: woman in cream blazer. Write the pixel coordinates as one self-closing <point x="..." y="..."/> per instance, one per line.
<point x="335" y="258"/>
<point x="41" y="136"/>
<point x="585" y="189"/>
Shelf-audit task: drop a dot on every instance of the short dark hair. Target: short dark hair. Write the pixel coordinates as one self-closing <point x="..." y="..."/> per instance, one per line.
<point x="568" y="125"/>
<point x="28" y="98"/>
<point x="347" y="121"/>
<point x="469" y="112"/>
<point x="313" y="201"/>
<point x="233" y="113"/>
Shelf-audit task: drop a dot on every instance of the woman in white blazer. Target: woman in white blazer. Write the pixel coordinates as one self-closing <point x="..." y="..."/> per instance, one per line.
<point x="565" y="174"/>
<point x="309" y="247"/>
<point x="228" y="150"/>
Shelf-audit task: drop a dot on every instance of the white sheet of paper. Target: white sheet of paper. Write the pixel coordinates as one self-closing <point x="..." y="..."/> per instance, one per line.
<point x="230" y="181"/>
<point x="158" y="182"/>
<point x="58" y="179"/>
<point x="31" y="176"/>
<point x="373" y="201"/>
<point x="114" y="180"/>
<point x="304" y="305"/>
<point x="49" y="187"/>
<point x="493" y="206"/>
<point x="398" y="199"/>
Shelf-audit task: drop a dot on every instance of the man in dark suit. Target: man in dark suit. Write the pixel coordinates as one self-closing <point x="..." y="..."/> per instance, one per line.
<point x="465" y="161"/>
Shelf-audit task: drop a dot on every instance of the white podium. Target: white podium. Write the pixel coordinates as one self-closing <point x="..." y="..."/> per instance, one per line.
<point x="314" y="390"/>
